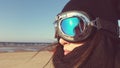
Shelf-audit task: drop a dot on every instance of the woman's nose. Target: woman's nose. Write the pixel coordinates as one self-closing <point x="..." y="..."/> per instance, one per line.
<point x="63" y="42"/>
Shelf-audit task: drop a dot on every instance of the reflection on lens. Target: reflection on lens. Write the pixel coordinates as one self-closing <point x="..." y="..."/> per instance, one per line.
<point x="68" y="25"/>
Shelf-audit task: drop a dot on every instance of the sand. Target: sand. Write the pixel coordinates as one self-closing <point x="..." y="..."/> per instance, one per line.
<point x="25" y="60"/>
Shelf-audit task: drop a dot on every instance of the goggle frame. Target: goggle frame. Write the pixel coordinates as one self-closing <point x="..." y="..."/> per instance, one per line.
<point x="80" y="14"/>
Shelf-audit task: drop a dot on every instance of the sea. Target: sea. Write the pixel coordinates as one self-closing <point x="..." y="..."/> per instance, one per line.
<point x="24" y="46"/>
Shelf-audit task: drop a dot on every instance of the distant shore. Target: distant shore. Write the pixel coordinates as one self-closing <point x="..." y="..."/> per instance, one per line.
<point x="24" y="47"/>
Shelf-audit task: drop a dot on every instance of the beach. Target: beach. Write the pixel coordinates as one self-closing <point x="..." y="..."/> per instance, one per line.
<point x="25" y="59"/>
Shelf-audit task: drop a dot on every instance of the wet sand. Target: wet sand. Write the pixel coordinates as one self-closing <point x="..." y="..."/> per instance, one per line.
<point x="25" y="60"/>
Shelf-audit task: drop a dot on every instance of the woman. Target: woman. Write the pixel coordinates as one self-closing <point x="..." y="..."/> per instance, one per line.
<point x="87" y="35"/>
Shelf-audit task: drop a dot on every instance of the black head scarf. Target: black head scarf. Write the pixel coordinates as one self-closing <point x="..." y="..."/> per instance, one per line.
<point x="105" y="9"/>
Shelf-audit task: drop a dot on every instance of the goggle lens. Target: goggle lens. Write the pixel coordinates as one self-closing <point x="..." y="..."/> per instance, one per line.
<point x="68" y="25"/>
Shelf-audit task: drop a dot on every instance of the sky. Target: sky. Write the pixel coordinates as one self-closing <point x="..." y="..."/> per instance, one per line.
<point x="28" y="20"/>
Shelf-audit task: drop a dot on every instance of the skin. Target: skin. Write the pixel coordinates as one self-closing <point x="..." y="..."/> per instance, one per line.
<point x="69" y="46"/>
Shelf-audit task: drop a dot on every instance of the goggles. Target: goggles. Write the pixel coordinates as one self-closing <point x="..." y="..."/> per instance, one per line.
<point x="74" y="26"/>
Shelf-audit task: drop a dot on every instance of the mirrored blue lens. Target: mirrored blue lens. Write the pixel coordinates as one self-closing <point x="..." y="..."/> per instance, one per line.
<point x="68" y="25"/>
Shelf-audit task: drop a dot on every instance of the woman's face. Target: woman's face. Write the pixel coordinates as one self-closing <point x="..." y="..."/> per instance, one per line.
<point x="68" y="46"/>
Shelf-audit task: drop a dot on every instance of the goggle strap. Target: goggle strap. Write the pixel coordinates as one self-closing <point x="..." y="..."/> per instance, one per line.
<point x="96" y="23"/>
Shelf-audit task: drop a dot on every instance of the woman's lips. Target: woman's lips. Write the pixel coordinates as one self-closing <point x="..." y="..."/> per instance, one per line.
<point x="66" y="52"/>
